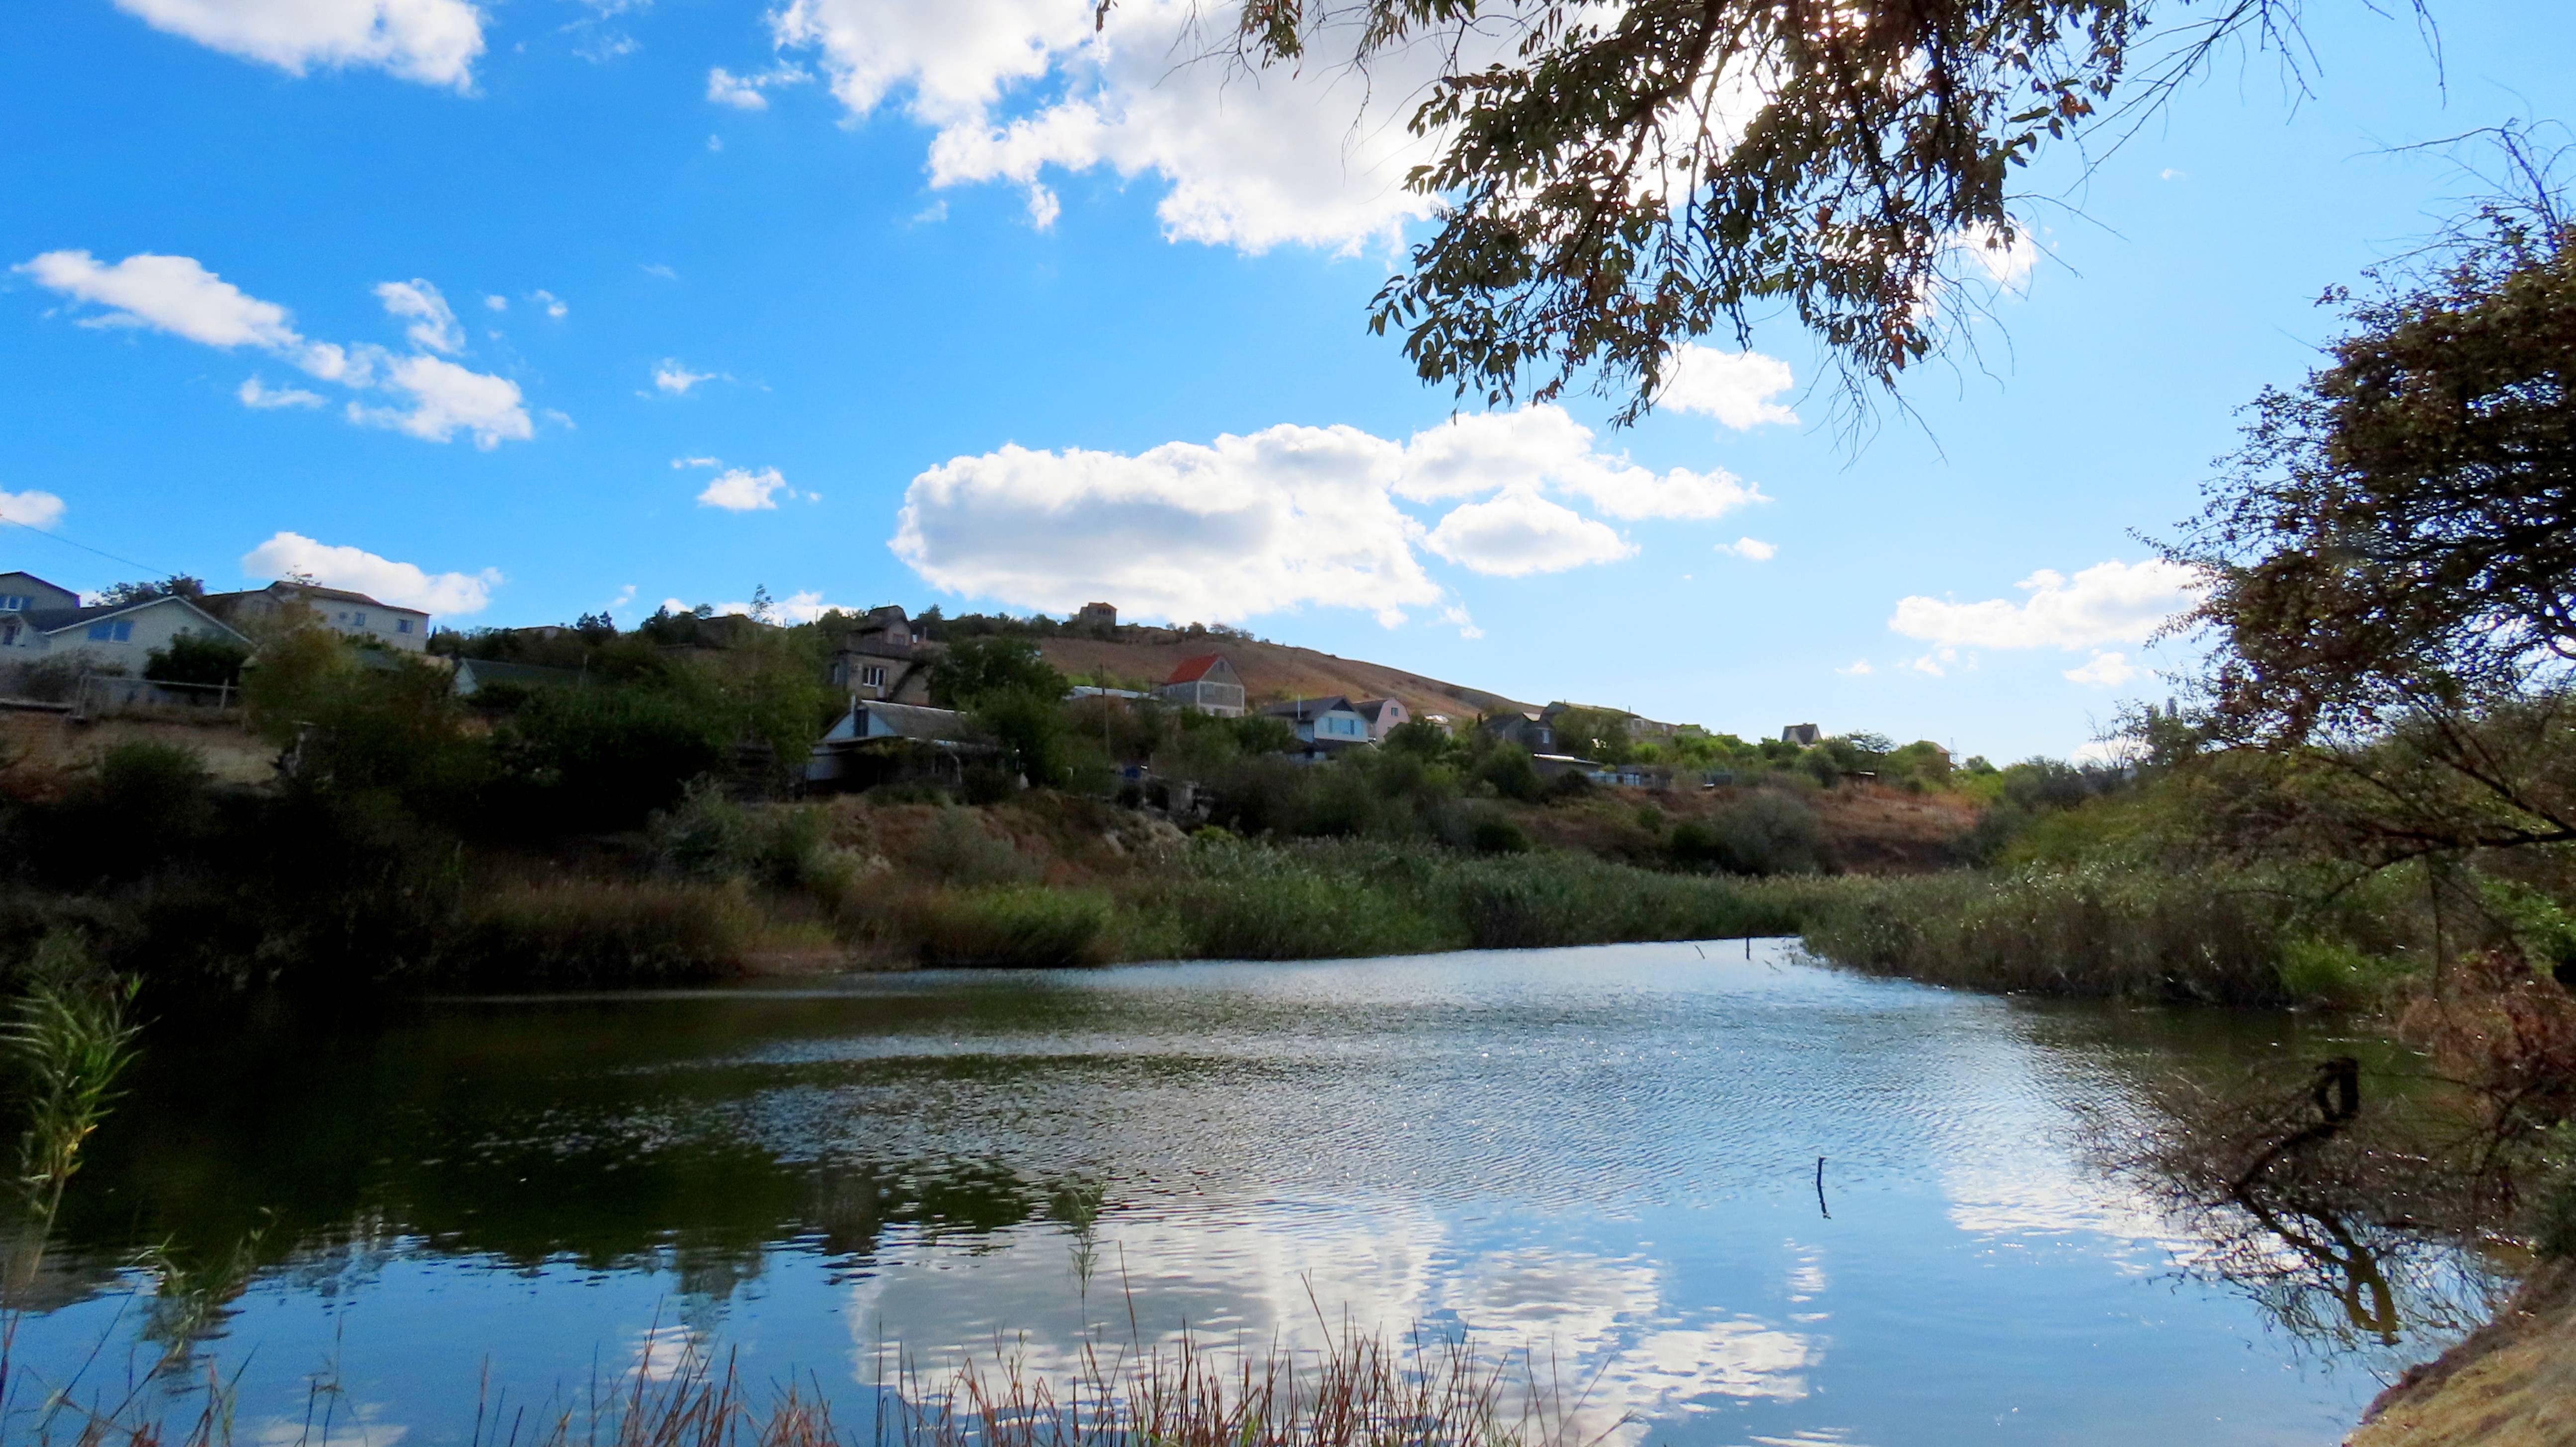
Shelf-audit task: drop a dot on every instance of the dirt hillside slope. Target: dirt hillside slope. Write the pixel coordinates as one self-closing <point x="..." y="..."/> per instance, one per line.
<point x="1271" y="671"/>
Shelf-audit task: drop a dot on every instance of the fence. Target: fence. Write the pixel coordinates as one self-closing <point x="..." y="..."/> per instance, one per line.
<point x="102" y="695"/>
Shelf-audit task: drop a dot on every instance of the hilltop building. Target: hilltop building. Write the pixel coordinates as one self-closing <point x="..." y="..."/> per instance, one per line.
<point x="1804" y="736"/>
<point x="1528" y="728"/>
<point x="1325" y="726"/>
<point x="43" y="621"/>
<point x="1383" y="714"/>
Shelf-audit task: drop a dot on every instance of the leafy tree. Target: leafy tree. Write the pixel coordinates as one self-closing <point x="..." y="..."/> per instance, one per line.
<point x="177" y="585"/>
<point x="191" y="659"/>
<point x="974" y="669"/>
<point x="1032" y="730"/>
<point x="1619" y="180"/>
<point x="1592" y="733"/>
<point x="1422" y="738"/>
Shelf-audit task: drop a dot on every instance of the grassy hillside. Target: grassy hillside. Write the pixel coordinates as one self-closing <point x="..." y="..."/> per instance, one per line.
<point x="1270" y="670"/>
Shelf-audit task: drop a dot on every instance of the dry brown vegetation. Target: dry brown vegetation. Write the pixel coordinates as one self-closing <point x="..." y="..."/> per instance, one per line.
<point x="1270" y="670"/>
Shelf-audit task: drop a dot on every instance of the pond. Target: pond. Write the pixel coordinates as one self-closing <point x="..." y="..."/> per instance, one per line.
<point x="1608" y="1158"/>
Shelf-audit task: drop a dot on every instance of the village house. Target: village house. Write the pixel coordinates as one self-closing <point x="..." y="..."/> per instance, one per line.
<point x="885" y="658"/>
<point x="878" y="743"/>
<point x="1383" y="714"/>
<point x="1325" y="725"/>
<point x="474" y="674"/>
<point x="1804" y="736"/>
<point x="1528" y="728"/>
<point x="41" y="621"/>
<point x="353" y="616"/>
<point x="1097" y="619"/>
<point x="1206" y="682"/>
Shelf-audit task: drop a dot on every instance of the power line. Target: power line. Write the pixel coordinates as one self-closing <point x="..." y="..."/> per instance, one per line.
<point x="84" y="547"/>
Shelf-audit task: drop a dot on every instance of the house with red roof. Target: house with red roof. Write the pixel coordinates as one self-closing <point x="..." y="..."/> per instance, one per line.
<point x="1207" y="683"/>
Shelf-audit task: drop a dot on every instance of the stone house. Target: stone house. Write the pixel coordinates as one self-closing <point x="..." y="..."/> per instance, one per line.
<point x="1804" y="736"/>
<point x="886" y="658"/>
<point x="878" y="742"/>
<point x="1206" y="682"/>
<point x="353" y="616"/>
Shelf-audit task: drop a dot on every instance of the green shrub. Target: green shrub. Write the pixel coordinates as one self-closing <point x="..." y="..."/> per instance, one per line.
<point x="956" y="849"/>
<point x="190" y="659"/>
<point x="595" y="932"/>
<point x="1011" y="927"/>
<point x="2334" y="974"/>
<point x="1494" y="834"/>
<point x="1763" y="832"/>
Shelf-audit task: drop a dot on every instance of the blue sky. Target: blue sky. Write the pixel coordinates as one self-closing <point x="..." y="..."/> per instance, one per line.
<point x="519" y="309"/>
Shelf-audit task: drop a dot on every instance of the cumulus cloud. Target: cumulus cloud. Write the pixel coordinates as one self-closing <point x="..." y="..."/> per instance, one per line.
<point x="255" y="393"/>
<point x="1012" y="89"/>
<point x="1858" y="668"/>
<point x="432" y="324"/>
<point x="675" y="379"/>
<point x="497" y="303"/>
<point x="364" y="572"/>
<point x="1751" y="549"/>
<point x="546" y="299"/>
<point x="1736" y="388"/>
<point x="166" y="293"/>
<point x="1520" y="533"/>
<point x="1288" y="516"/>
<point x="1543" y="448"/>
<point x="446" y="399"/>
<point x="31" y="508"/>
<point x="178" y="295"/>
<point x="2006" y="263"/>
<point x="739" y="489"/>
<point x="2112" y="602"/>
<point x="2105" y="670"/>
<point x="803" y="606"/>
<point x="431" y="41"/>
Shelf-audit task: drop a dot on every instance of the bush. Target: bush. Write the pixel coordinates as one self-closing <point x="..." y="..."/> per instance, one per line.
<point x="605" y="757"/>
<point x="591" y="932"/>
<point x="1763" y="832"/>
<point x="190" y="659"/>
<point x="1010" y="927"/>
<point x="1508" y="768"/>
<point x="49" y="680"/>
<point x="956" y="849"/>
<point x="1496" y="835"/>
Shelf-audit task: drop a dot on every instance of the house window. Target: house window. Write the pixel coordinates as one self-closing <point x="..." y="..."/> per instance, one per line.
<point x="872" y="677"/>
<point x="14" y="602"/>
<point x="119" y="632"/>
<point x="402" y="625"/>
<point x="359" y="619"/>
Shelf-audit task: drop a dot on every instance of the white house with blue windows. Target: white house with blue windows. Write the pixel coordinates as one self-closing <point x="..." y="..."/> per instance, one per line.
<point x="1324" y="725"/>
<point x="40" y="621"/>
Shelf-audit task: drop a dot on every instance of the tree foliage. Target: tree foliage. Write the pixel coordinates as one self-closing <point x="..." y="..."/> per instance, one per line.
<point x="1613" y="181"/>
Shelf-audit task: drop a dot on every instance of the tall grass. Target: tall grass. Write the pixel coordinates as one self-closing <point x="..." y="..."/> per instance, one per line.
<point x="1357" y="1390"/>
<point x="1009" y="927"/>
<point x="2091" y="930"/>
<point x="589" y="931"/>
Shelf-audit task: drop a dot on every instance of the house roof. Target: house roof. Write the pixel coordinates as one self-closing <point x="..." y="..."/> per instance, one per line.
<point x="500" y="670"/>
<point x="1372" y="708"/>
<point x="879" y="648"/>
<point x="39" y="582"/>
<point x="1191" y="670"/>
<point x="55" y="620"/>
<point x="311" y="592"/>
<point x="913" y="721"/>
<point x="1310" y="708"/>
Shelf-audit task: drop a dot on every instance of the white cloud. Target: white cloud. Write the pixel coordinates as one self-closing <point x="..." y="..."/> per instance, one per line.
<point x="1013" y="88"/>
<point x="2170" y="174"/>
<point x="546" y="299"/>
<point x="1285" y="517"/>
<point x="447" y="399"/>
<point x="1736" y="388"/>
<point x="31" y="508"/>
<point x="675" y="379"/>
<point x="1520" y="533"/>
<point x="740" y="489"/>
<point x="176" y="294"/>
<point x="799" y="607"/>
<point x="166" y="293"/>
<point x="656" y="268"/>
<point x="1859" y="668"/>
<point x="1542" y="448"/>
<point x="432" y="41"/>
<point x="1751" y="549"/>
<point x="2006" y="263"/>
<point x="745" y="92"/>
<point x="364" y="572"/>
<point x="680" y="462"/>
<point x="2111" y="602"/>
<point x="2105" y="670"/>
<point x="497" y="303"/>
<point x="432" y="324"/>
<point x="255" y="393"/>
<point x="1043" y="208"/>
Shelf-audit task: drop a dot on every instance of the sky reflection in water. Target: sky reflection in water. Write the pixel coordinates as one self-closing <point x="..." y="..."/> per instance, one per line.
<point x="1601" y="1158"/>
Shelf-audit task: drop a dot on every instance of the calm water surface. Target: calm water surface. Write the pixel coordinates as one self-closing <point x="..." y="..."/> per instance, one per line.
<point x="1606" y="1155"/>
